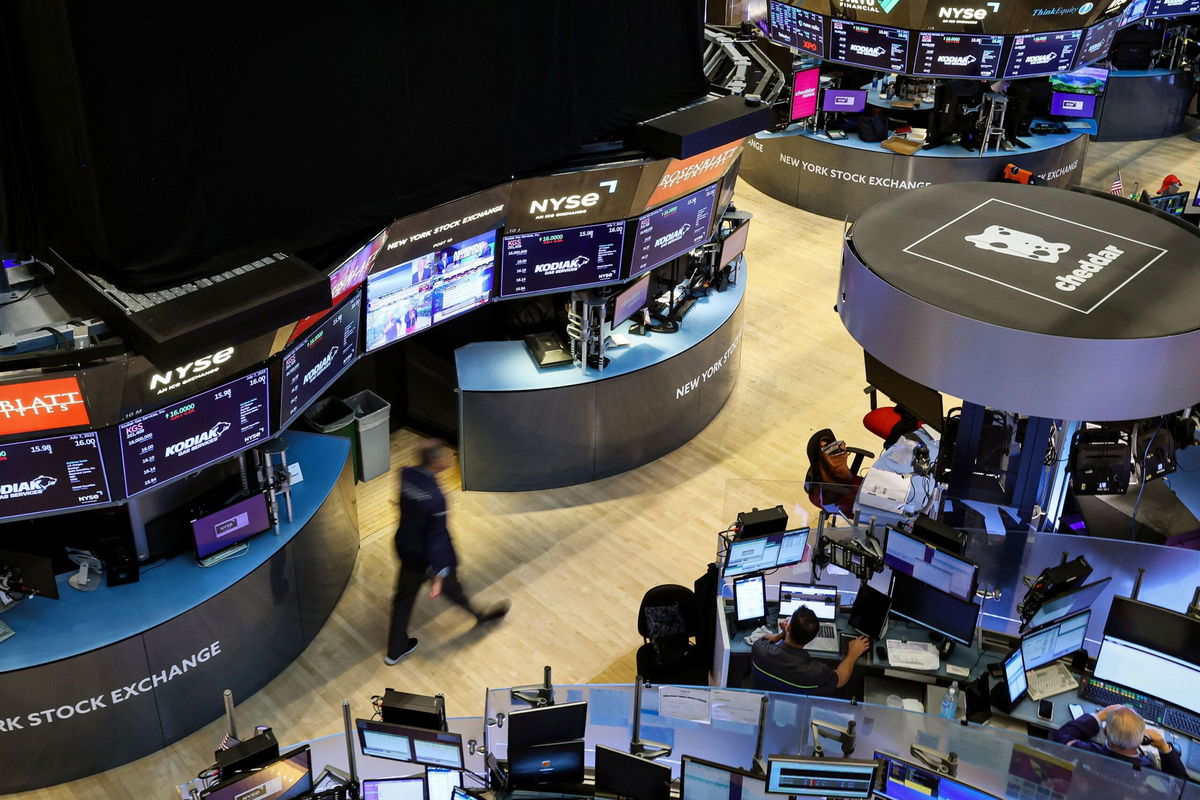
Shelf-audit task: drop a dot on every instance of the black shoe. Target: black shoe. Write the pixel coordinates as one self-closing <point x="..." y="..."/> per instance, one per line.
<point x="391" y="662"/>
<point x="494" y="613"/>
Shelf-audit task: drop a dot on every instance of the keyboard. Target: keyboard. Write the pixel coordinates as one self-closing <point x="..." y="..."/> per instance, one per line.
<point x="1182" y="720"/>
<point x="1049" y="681"/>
<point x="827" y="631"/>
<point x="144" y="301"/>
<point x="1103" y="693"/>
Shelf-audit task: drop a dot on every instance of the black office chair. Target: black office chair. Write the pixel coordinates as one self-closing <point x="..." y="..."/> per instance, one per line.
<point x="668" y="623"/>
<point x="831" y="483"/>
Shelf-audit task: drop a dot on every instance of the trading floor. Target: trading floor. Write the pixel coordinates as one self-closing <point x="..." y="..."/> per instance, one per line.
<point x="576" y="561"/>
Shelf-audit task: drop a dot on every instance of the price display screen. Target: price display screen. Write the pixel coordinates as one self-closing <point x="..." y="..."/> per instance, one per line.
<point x="203" y="429"/>
<point x="796" y="27"/>
<point x="957" y="55"/>
<point x="557" y="261"/>
<point x="319" y="358"/>
<point x="1042" y="54"/>
<point x="870" y="46"/>
<point x="57" y="474"/>
<point x="1098" y="40"/>
<point x="669" y="231"/>
<point x="1172" y="8"/>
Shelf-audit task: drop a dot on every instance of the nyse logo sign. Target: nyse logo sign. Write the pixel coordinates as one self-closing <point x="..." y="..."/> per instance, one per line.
<point x="193" y="370"/>
<point x="42" y="405"/>
<point x="966" y="15"/>
<point x="571" y="202"/>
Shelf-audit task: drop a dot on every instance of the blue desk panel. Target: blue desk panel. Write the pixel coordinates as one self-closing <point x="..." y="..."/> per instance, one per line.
<point x="841" y="179"/>
<point x="49" y="630"/>
<point x="508" y="367"/>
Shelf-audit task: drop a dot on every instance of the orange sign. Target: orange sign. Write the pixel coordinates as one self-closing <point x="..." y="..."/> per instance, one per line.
<point x="42" y="406"/>
<point x="692" y="173"/>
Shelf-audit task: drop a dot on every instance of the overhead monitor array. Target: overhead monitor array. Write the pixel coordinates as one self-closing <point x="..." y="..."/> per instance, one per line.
<point x="954" y="42"/>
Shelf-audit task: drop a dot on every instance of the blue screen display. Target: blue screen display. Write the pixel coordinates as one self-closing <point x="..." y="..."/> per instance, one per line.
<point x="905" y="781"/>
<point x="561" y="260"/>
<point x="669" y="231"/>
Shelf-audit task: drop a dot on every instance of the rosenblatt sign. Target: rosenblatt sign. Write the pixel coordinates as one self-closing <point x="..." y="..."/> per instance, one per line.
<point x="41" y="406"/>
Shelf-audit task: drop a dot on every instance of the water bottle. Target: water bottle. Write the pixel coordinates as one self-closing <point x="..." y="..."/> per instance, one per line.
<point x="950" y="702"/>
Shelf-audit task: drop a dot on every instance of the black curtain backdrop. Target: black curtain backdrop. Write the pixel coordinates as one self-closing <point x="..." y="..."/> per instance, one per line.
<point x="155" y="141"/>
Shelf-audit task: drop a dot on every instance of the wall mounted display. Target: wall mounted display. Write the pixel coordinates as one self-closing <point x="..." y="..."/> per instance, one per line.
<point x="562" y="260"/>
<point x="316" y="361"/>
<point x="62" y="473"/>
<point x="669" y="231"/>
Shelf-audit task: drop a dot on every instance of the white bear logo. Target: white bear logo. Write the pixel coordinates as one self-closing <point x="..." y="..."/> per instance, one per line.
<point x="219" y="428"/>
<point x="579" y="261"/>
<point x="1019" y="244"/>
<point x="43" y="482"/>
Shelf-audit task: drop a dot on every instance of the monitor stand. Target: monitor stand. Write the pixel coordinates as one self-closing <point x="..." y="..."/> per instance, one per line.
<point x="6" y="602"/>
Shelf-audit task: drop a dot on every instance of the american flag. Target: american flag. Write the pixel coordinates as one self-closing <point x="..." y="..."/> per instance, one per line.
<point x="1117" y="188"/>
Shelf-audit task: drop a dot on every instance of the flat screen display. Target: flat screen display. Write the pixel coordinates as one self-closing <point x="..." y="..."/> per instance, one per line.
<point x="1085" y="80"/>
<point x="316" y="361"/>
<point x="750" y="597"/>
<point x="546" y="724"/>
<point x="821" y="777"/>
<point x="804" y="93"/>
<point x="869" y="46"/>
<point x="418" y="745"/>
<point x="705" y="780"/>
<point x="765" y="552"/>
<point x="734" y="244"/>
<point x="560" y="762"/>
<point x="61" y="473"/>
<point x="629" y="301"/>
<point x="1097" y="40"/>
<point x="1055" y="641"/>
<point x="904" y="781"/>
<point x="440" y="783"/>
<point x="289" y="776"/>
<point x="910" y="556"/>
<point x="186" y="436"/>
<point x="561" y="260"/>
<point x="1172" y="8"/>
<point x="669" y="231"/>
<point x="934" y="609"/>
<point x="849" y="101"/>
<point x="432" y="288"/>
<point x="625" y="775"/>
<point x="1041" y="53"/>
<point x="1133" y="12"/>
<point x="1068" y="603"/>
<point x="1064" y="104"/>
<point x="796" y="27"/>
<point x="1014" y="676"/>
<point x="821" y="600"/>
<point x="393" y="789"/>
<point x="1144" y="669"/>
<point x="957" y="55"/>
<point x="1171" y="203"/>
<point x="232" y="524"/>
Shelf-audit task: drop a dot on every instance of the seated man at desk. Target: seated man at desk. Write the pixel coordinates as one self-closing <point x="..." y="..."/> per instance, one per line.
<point x="780" y="663"/>
<point x="1123" y="731"/>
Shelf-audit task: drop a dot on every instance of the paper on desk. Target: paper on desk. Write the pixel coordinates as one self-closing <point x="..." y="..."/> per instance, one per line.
<point x="732" y="706"/>
<point x="680" y="702"/>
<point x="912" y="655"/>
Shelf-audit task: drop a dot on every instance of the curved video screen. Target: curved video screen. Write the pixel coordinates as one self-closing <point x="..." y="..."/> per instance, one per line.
<point x="561" y="260"/>
<point x="61" y="473"/>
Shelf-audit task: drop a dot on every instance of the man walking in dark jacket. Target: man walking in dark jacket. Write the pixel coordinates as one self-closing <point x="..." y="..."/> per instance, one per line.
<point x="1123" y="731"/>
<point x="425" y="550"/>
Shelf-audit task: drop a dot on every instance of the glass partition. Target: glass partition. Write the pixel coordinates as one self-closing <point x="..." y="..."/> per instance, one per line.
<point x="1005" y="559"/>
<point x="721" y="725"/>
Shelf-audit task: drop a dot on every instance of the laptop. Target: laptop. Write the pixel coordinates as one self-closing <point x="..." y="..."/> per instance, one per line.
<point x="823" y="601"/>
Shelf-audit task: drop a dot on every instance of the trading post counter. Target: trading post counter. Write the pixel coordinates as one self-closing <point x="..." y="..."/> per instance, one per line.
<point x="524" y="428"/>
<point x="841" y="179"/>
<point x="95" y="680"/>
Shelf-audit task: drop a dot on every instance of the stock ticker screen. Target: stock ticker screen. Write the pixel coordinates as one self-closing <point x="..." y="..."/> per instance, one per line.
<point x="560" y="260"/>
<point x="181" y="438"/>
<point x="869" y="46"/>
<point x="1041" y="54"/>
<point x="319" y="358"/>
<point x="55" y="474"/>
<point x="796" y="27"/>
<point x="957" y="55"/>
<point x="671" y="230"/>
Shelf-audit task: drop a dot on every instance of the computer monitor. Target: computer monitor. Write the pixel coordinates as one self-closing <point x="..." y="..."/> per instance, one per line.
<point x="545" y="724"/>
<point x="542" y="764"/>
<point x="821" y="777"/>
<point x="1068" y="603"/>
<point x="902" y="780"/>
<point x="1085" y="80"/>
<point x="1097" y="40"/>
<point x="821" y="600"/>
<point x="868" y="46"/>
<point x="630" y="300"/>
<point x="629" y="776"/>
<point x="231" y="525"/>
<point x="924" y="403"/>
<point x="848" y="101"/>
<point x="798" y="28"/>
<point x="28" y="574"/>
<point x="288" y="776"/>
<point x="561" y="260"/>
<point x="805" y="85"/>
<point x="1149" y="671"/>
<point x="440" y="783"/>
<point x="393" y="789"/>
<point x="957" y="55"/>
<point x="750" y="599"/>
<point x="734" y="244"/>
<point x="1171" y="203"/>
<point x="908" y="555"/>
<point x="1015" y="680"/>
<point x="932" y="608"/>
<point x="1055" y="641"/>
<point x="765" y="552"/>
<point x="1158" y="629"/>
<point x="869" y="613"/>
<point x="417" y="745"/>
<point x="1066" y="104"/>
<point x="707" y="780"/>
<point x="1032" y="54"/>
<point x="671" y="230"/>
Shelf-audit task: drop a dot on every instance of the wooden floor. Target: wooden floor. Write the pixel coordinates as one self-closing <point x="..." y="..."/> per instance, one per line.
<point x="576" y="561"/>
